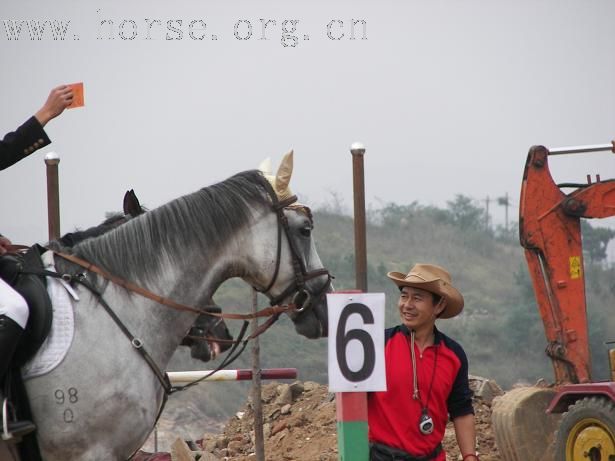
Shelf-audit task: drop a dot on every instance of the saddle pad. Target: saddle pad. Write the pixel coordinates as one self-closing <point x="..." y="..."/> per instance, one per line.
<point x="55" y="347"/>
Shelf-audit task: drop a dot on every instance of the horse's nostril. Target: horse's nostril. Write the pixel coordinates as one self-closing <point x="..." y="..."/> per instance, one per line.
<point x="302" y="300"/>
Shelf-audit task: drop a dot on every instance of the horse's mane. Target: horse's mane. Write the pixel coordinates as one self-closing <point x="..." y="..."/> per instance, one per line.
<point x="73" y="238"/>
<point x="198" y="223"/>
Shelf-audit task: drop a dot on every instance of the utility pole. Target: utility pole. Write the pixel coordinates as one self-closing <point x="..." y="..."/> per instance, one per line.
<point x="505" y="201"/>
<point x="506" y="210"/>
<point x="487" y="213"/>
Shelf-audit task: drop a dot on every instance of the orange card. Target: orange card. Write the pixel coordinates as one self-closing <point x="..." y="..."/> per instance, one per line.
<point x="77" y="95"/>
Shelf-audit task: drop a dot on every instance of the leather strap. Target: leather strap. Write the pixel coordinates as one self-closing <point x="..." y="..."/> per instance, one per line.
<point x="265" y="312"/>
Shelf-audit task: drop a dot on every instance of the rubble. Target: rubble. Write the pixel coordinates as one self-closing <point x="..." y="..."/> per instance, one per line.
<point x="299" y="424"/>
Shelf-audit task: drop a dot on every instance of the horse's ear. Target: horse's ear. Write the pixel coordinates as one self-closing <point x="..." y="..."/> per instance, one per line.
<point x="265" y="167"/>
<point x="282" y="178"/>
<point x="132" y="206"/>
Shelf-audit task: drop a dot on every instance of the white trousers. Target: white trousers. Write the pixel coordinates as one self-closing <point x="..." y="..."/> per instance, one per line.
<point x="13" y="305"/>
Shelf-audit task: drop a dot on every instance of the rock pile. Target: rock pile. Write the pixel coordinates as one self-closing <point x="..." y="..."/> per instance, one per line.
<point x="300" y="425"/>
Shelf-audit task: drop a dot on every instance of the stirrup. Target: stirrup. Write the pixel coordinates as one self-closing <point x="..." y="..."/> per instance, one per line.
<point x="18" y="429"/>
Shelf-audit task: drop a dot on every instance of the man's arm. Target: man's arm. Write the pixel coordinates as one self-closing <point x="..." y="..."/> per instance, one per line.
<point x="31" y="136"/>
<point x="466" y="435"/>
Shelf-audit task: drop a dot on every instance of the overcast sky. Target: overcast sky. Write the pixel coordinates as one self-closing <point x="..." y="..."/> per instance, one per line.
<point x="447" y="96"/>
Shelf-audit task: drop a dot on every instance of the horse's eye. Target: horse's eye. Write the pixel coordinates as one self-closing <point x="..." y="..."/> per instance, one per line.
<point x="306" y="231"/>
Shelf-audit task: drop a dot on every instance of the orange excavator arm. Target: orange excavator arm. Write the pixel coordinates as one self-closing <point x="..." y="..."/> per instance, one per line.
<point x="550" y="232"/>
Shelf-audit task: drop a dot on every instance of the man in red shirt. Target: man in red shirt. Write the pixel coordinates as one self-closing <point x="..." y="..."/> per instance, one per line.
<point x="427" y="375"/>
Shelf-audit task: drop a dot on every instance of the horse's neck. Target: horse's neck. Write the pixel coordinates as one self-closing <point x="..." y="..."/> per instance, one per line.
<point x="192" y="278"/>
<point x="249" y="255"/>
<point x="254" y="253"/>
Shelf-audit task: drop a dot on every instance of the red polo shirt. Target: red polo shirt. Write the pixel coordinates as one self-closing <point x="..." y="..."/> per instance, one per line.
<point x="393" y="416"/>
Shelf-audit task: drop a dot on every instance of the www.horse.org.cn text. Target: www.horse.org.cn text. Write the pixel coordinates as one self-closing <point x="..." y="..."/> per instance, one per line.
<point x="288" y="32"/>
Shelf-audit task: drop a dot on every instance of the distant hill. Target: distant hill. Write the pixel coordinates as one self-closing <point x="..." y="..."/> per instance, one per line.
<point x="499" y="328"/>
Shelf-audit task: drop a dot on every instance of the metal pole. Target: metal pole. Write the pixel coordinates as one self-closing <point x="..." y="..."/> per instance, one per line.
<point x="53" y="196"/>
<point x="259" y="439"/>
<point x="583" y="149"/>
<point x="183" y="377"/>
<point x="360" y="247"/>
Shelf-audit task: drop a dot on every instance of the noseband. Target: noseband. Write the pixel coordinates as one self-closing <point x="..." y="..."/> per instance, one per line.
<point x="302" y="298"/>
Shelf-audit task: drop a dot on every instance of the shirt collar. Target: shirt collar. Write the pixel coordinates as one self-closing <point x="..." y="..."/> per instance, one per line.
<point x="437" y="333"/>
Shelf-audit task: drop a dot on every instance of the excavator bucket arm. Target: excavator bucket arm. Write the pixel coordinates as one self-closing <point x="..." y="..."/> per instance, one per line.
<point x="550" y="232"/>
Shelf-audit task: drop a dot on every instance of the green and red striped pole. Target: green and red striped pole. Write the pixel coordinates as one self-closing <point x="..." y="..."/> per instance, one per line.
<point x="351" y="409"/>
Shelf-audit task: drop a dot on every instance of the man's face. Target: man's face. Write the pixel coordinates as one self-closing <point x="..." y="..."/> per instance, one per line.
<point x="417" y="309"/>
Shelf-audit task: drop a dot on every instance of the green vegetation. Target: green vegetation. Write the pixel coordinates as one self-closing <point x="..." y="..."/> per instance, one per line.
<point x="500" y="327"/>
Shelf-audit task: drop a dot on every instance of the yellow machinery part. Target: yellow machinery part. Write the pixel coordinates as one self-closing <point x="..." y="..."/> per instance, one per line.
<point x="523" y="430"/>
<point x="587" y="431"/>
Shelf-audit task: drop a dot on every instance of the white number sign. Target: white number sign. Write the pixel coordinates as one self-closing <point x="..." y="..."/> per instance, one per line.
<point x="356" y="342"/>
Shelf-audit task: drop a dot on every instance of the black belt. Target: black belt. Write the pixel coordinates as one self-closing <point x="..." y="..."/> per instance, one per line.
<point x="380" y="452"/>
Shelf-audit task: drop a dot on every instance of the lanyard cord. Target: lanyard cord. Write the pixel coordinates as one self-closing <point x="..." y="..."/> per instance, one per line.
<point x="415" y="380"/>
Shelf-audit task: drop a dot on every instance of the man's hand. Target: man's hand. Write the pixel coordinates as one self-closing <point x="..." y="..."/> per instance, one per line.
<point x="59" y="99"/>
<point x="4" y="243"/>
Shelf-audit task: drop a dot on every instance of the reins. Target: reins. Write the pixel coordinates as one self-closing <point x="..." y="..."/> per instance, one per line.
<point x="265" y="312"/>
<point x="271" y="311"/>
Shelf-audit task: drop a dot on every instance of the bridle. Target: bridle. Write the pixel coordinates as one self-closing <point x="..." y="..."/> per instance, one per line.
<point x="302" y="299"/>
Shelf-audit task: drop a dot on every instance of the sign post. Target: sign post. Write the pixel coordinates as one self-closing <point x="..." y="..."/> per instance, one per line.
<point x="351" y="403"/>
<point x="356" y="365"/>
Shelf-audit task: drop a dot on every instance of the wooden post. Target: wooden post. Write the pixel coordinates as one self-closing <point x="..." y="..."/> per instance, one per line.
<point x="53" y="196"/>
<point x="351" y="407"/>
<point x="259" y="442"/>
<point x="360" y="241"/>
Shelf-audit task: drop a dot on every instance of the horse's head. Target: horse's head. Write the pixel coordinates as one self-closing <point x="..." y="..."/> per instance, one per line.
<point x="294" y="273"/>
<point x="208" y="337"/>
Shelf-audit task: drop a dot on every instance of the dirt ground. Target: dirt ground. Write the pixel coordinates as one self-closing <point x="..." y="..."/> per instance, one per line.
<point x="300" y="425"/>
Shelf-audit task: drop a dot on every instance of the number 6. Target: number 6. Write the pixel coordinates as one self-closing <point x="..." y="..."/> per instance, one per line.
<point x="343" y="338"/>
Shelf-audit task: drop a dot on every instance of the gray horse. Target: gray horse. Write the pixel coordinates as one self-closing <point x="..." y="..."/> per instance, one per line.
<point x="102" y="401"/>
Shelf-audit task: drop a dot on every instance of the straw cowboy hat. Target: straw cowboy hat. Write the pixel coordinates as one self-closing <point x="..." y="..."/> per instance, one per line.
<point x="434" y="279"/>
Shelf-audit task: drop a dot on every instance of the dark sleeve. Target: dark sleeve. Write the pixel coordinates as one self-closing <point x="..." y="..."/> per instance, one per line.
<point x="22" y="142"/>
<point x="459" y="402"/>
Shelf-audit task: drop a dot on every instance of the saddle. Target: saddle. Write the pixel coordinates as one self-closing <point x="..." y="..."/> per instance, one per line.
<point x="24" y="273"/>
